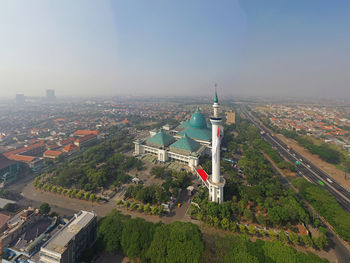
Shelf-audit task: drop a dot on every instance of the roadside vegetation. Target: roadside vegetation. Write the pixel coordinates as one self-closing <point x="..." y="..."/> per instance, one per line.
<point x="234" y="248"/>
<point x="326" y="205"/>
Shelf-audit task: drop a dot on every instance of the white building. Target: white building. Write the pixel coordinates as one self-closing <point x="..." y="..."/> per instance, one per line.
<point x="66" y="245"/>
<point x="192" y="139"/>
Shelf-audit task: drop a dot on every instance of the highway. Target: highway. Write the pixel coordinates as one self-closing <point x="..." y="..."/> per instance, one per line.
<point x="306" y="169"/>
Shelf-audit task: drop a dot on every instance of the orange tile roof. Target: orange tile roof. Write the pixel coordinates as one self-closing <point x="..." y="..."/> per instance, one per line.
<point x="24" y="149"/>
<point x="85" y="138"/>
<point x="125" y="120"/>
<point x="52" y="153"/>
<point x="59" y="119"/>
<point x="22" y="158"/>
<point x="70" y="148"/>
<point x="85" y="132"/>
<point x="67" y="141"/>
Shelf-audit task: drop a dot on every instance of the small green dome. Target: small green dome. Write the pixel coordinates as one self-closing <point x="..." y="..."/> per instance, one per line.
<point x="198" y="120"/>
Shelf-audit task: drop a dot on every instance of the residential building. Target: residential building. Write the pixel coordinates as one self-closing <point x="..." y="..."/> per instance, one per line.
<point x="69" y="242"/>
<point x="9" y="170"/>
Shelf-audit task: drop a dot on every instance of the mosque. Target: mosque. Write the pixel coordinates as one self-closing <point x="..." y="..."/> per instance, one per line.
<point x="186" y="143"/>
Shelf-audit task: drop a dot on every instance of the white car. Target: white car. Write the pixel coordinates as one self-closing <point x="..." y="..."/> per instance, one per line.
<point x="329" y="180"/>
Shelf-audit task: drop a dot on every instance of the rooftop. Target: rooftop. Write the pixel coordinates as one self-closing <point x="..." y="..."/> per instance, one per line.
<point x="5" y="162"/>
<point x="85" y="132"/>
<point x="23" y="158"/>
<point x="186" y="143"/>
<point x="199" y="134"/>
<point x="58" y="243"/>
<point x="24" y="149"/>
<point x="52" y="153"/>
<point x="160" y="139"/>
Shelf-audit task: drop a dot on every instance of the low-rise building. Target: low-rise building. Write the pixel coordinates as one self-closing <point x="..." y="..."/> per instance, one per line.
<point x="18" y="225"/>
<point x="8" y="170"/>
<point x="86" y="140"/>
<point x="52" y="154"/>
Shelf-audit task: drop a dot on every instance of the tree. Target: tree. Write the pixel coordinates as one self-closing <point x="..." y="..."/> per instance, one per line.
<point x="140" y="208"/>
<point x="283" y="237"/>
<point x="45" y="208"/>
<point x="233" y="226"/>
<point x="133" y="205"/>
<point x="262" y="232"/>
<point x="294" y="238"/>
<point x="119" y="202"/>
<point x="225" y="223"/>
<point x="126" y="203"/>
<point x="92" y="197"/>
<point x="87" y="195"/>
<point x="147" y="208"/>
<point x="251" y="229"/>
<point x="216" y="222"/>
<point x="154" y="210"/>
<point x="137" y="235"/>
<point x="160" y="210"/>
<point x="261" y="219"/>
<point x="248" y="215"/>
<point x="307" y="240"/>
<point x="321" y="241"/>
<point x="176" y="242"/>
<point x="272" y="234"/>
<point x="242" y="229"/>
<point x="110" y="229"/>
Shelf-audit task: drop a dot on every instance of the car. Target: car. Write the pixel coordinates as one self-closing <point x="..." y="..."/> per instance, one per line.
<point x="329" y="180"/>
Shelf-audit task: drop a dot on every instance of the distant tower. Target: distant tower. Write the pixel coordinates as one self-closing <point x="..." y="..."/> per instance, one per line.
<point x="20" y="99"/>
<point x="216" y="182"/>
<point x="50" y="95"/>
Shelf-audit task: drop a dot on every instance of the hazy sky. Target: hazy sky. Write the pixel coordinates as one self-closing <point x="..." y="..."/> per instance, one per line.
<point x="167" y="47"/>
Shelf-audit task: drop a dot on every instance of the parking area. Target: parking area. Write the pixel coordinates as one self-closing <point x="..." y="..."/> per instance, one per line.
<point x="149" y="158"/>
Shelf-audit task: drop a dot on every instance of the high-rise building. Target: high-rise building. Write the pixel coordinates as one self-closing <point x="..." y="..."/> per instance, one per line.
<point x="20" y="99"/>
<point x="50" y="94"/>
<point x="70" y="241"/>
<point x="230" y="117"/>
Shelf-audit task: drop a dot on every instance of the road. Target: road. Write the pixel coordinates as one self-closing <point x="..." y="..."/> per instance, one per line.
<point x="311" y="173"/>
<point x="306" y="168"/>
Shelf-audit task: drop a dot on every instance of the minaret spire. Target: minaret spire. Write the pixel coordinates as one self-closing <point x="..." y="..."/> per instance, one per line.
<point x="216" y="103"/>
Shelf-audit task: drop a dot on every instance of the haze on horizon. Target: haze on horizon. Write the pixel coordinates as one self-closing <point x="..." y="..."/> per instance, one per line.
<point x="157" y="47"/>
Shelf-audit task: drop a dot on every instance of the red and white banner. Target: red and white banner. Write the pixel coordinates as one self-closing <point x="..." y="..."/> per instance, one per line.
<point x="216" y="145"/>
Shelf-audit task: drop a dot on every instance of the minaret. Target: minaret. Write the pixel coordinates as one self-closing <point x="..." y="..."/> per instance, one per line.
<point x="216" y="182"/>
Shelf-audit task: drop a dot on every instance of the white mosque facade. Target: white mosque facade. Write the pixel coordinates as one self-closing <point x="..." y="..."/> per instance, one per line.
<point x="187" y="143"/>
<point x="184" y="144"/>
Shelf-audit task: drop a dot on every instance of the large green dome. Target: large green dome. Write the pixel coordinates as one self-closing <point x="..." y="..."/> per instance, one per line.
<point x="198" y="120"/>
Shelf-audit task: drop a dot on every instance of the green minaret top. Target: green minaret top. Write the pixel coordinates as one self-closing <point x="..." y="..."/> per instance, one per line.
<point x="216" y="98"/>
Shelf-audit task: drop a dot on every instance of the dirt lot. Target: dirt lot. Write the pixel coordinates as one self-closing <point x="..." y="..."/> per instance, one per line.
<point x="326" y="167"/>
